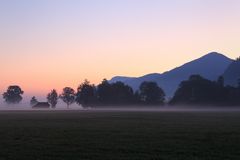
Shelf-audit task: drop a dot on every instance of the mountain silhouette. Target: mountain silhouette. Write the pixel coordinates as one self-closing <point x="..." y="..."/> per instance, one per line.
<point x="232" y="74"/>
<point x="210" y="66"/>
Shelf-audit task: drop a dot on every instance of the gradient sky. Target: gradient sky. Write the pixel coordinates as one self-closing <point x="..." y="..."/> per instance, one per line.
<point x="47" y="44"/>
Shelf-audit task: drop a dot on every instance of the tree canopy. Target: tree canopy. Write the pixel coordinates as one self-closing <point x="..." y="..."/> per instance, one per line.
<point x="52" y="98"/>
<point x="200" y="91"/>
<point x="114" y="94"/>
<point x="68" y="96"/>
<point x="13" y="95"/>
<point x="151" y="93"/>
<point x="104" y="92"/>
<point x="33" y="101"/>
<point x="86" y="94"/>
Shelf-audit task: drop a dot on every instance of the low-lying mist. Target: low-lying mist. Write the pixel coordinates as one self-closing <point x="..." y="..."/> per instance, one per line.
<point x="75" y="107"/>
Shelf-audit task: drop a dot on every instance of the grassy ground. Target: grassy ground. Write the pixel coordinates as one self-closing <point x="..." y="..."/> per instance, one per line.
<point x="116" y="135"/>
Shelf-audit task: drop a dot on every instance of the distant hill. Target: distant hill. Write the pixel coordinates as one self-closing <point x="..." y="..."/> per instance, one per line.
<point x="210" y="66"/>
<point x="232" y="74"/>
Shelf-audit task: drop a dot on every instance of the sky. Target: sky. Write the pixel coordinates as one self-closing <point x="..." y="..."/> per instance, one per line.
<point x="46" y="44"/>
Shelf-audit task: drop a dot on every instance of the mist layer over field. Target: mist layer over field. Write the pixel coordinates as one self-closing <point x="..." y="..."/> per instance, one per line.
<point x="27" y="107"/>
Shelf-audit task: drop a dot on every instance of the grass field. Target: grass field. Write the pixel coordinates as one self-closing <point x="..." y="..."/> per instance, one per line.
<point x="119" y="135"/>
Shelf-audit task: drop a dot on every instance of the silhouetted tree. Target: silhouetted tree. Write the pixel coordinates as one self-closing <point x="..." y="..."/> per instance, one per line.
<point x="86" y="94"/>
<point x="151" y="93"/>
<point x="239" y="83"/>
<point x="68" y="96"/>
<point x="121" y="94"/>
<point x="220" y="81"/>
<point x="13" y="95"/>
<point x="52" y="98"/>
<point x="136" y="98"/>
<point x="104" y="92"/>
<point x="197" y="90"/>
<point x="114" y="94"/>
<point x="33" y="101"/>
<point x="233" y="96"/>
<point x="238" y="59"/>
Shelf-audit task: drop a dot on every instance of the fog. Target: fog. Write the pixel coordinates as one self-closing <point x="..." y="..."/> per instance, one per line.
<point x="25" y="106"/>
<point x="62" y="106"/>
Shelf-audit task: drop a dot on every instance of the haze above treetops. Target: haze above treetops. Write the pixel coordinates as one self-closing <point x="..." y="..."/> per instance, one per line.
<point x="54" y="44"/>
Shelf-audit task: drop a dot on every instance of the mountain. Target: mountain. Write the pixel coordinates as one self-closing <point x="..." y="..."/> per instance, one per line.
<point x="119" y="78"/>
<point x="210" y="66"/>
<point x="232" y="74"/>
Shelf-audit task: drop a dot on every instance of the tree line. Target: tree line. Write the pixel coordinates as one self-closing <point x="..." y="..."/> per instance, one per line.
<point x="89" y="95"/>
<point x="194" y="91"/>
<point x="200" y="91"/>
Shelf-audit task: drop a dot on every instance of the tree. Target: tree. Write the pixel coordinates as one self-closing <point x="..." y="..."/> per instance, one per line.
<point x="220" y="81"/>
<point x="200" y="91"/>
<point x="232" y="96"/>
<point x="13" y="95"/>
<point x="104" y="92"/>
<point x="68" y="96"/>
<point x="114" y="94"/>
<point x="33" y="101"/>
<point x="239" y="83"/>
<point x="151" y="93"/>
<point x="86" y="94"/>
<point x="52" y="98"/>
<point x="121" y="94"/>
<point x="136" y="98"/>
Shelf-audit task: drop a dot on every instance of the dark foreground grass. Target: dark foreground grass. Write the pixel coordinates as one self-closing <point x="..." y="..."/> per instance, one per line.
<point x="113" y="135"/>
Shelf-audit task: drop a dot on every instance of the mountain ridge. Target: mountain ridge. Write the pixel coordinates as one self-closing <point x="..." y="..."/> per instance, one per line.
<point x="210" y="66"/>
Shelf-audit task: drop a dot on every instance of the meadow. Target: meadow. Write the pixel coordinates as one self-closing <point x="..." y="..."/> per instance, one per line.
<point x="119" y="135"/>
